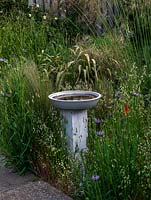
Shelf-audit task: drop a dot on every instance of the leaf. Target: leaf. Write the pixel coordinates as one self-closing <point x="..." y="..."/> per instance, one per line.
<point x="70" y="63"/>
<point x="60" y="77"/>
<point x="88" y="59"/>
<point x="95" y="70"/>
<point x="85" y="75"/>
<point x="79" y="69"/>
<point x="116" y="62"/>
<point x="109" y="71"/>
<point x="87" y="72"/>
<point x="46" y="72"/>
<point x="75" y="51"/>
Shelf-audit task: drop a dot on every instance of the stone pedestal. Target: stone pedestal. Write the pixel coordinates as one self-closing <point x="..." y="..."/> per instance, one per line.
<point x="75" y="123"/>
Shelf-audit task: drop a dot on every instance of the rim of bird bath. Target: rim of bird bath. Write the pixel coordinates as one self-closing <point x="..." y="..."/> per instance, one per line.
<point x="85" y="100"/>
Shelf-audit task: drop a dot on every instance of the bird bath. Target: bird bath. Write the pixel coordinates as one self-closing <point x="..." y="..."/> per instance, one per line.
<point x="73" y="106"/>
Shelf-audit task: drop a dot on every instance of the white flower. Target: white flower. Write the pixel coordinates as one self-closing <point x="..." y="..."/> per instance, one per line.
<point x="56" y="18"/>
<point x="44" y="17"/>
<point x="29" y="15"/>
<point x="37" y="5"/>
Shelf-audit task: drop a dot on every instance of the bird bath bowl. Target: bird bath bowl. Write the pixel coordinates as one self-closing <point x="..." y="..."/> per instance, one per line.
<point x="73" y="106"/>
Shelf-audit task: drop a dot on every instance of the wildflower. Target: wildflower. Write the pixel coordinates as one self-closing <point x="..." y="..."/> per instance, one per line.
<point x="135" y="94"/>
<point x="95" y="177"/>
<point x="125" y="77"/>
<point x="44" y="17"/>
<point x="37" y="5"/>
<point x="118" y="95"/>
<point x="126" y="109"/>
<point x="7" y="94"/>
<point x="24" y="50"/>
<point x="29" y="15"/>
<point x="100" y="133"/>
<point x="56" y="18"/>
<point x="3" y="60"/>
<point x="81" y="184"/>
<point x="97" y="120"/>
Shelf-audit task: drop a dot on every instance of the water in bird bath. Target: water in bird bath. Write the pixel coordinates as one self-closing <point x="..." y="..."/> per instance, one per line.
<point x="75" y="97"/>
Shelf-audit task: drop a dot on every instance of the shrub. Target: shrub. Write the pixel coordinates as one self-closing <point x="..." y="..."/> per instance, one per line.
<point x="7" y="6"/>
<point x="22" y="36"/>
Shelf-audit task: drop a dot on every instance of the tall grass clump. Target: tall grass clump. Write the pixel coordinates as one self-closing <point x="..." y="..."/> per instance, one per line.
<point x="17" y="117"/>
<point x="116" y="164"/>
<point x="31" y="136"/>
<point x="135" y="21"/>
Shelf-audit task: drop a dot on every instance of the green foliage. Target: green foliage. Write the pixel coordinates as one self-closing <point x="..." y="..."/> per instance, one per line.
<point x="7" y="6"/>
<point x="116" y="64"/>
<point x="90" y="61"/>
<point x="118" y="156"/>
<point x="116" y="159"/>
<point x="23" y="36"/>
<point x="137" y="14"/>
<point x="24" y="100"/>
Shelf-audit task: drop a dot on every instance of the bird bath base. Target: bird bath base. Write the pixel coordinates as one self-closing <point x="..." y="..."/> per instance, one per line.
<point x="75" y="123"/>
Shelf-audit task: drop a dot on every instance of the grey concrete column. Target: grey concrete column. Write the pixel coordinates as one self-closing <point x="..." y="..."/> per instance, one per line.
<point x="75" y="123"/>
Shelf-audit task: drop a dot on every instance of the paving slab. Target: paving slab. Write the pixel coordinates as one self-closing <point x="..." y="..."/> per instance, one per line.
<point x="28" y="187"/>
<point x="9" y="179"/>
<point x="34" y="191"/>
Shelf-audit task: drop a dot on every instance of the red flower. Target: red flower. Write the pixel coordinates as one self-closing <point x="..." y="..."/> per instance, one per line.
<point x="126" y="109"/>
